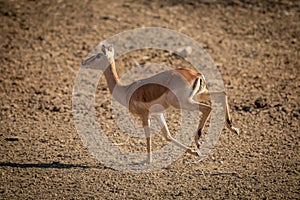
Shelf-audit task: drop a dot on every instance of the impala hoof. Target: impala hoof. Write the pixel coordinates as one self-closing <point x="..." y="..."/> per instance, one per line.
<point x="198" y="144"/>
<point x="193" y="152"/>
<point x="236" y="130"/>
<point x="202" y="157"/>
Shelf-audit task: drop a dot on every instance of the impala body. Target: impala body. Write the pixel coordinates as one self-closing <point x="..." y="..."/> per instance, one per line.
<point x="176" y="88"/>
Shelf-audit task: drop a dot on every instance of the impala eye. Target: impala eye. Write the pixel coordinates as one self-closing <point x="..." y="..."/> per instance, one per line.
<point x="98" y="56"/>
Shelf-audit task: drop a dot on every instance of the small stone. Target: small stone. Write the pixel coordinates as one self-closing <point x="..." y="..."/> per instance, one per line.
<point x="246" y="108"/>
<point x="260" y="102"/>
<point x="106" y="17"/>
<point x="55" y="109"/>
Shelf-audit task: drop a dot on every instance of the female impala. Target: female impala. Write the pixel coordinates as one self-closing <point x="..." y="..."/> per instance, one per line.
<point x="169" y="88"/>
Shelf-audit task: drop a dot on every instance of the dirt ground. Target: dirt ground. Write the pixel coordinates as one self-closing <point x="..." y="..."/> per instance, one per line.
<point x="256" y="46"/>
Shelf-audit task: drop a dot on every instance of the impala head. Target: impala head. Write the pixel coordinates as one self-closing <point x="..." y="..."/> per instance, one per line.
<point x="101" y="59"/>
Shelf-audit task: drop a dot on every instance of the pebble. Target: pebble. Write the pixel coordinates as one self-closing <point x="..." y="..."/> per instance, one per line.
<point x="246" y="108"/>
<point x="260" y="102"/>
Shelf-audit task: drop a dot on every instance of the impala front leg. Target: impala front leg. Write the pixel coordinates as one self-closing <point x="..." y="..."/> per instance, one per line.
<point x="166" y="133"/>
<point x="146" y="125"/>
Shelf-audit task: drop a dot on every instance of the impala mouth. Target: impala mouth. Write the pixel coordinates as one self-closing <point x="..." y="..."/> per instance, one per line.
<point x="88" y="60"/>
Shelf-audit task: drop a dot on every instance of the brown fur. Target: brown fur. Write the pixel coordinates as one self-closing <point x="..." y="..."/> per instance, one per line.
<point x="169" y="88"/>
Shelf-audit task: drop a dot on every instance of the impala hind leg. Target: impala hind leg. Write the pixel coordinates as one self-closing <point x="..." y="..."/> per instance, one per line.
<point x="228" y="121"/>
<point x="221" y="96"/>
<point x="191" y="105"/>
<point x="206" y="110"/>
<point x="166" y="134"/>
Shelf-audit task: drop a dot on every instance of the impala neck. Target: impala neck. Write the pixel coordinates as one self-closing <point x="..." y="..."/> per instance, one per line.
<point x="114" y="84"/>
<point x="111" y="76"/>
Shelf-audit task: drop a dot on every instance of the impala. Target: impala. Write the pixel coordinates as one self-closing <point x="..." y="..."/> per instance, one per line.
<point x="175" y="88"/>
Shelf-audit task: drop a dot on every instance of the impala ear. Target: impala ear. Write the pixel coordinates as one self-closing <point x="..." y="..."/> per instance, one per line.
<point x="111" y="49"/>
<point x="103" y="48"/>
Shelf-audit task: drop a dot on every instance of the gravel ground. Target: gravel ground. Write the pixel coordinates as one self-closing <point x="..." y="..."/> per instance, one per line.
<point x="255" y="45"/>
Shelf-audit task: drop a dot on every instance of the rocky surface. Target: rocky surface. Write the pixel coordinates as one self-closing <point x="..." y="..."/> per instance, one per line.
<point x="255" y="45"/>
